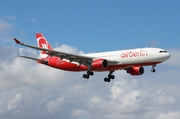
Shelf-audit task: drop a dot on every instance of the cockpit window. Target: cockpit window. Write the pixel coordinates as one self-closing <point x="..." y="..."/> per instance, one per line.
<point x="162" y="51"/>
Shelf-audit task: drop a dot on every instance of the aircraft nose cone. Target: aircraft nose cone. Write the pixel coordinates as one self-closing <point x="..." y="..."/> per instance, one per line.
<point x="168" y="56"/>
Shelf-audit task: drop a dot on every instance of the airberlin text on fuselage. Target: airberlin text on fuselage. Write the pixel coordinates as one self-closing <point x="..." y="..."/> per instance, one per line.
<point x="134" y="54"/>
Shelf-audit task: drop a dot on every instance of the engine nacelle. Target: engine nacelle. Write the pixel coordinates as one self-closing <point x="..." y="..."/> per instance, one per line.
<point x="136" y="70"/>
<point x="99" y="63"/>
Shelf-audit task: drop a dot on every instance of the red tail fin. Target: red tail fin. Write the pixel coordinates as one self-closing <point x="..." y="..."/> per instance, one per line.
<point x="43" y="43"/>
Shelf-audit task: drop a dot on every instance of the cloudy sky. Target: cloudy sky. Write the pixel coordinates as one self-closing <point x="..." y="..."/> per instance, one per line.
<point x="30" y="90"/>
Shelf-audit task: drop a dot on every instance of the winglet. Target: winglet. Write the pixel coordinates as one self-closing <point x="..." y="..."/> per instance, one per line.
<point x="17" y="41"/>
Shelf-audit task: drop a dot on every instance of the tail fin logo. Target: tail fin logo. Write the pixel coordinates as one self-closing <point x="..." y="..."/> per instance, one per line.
<point x="43" y="44"/>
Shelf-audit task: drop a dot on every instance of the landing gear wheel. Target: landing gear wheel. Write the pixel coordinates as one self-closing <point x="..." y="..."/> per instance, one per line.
<point x="107" y="79"/>
<point x="85" y="76"/>
<point x="153" y="70"/>
<point x="91" y="73"/>
<point x="111" y="76"/>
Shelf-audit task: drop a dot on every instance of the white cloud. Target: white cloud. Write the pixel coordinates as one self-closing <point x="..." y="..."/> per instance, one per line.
<point x="116" y="91"/>
<point x="54" y="106"/>
<point x="32" y="19"/>
<point x="163" y="100"/>
<point x="68" y="49"/>
<point x="170" y="115"/>
<point x="131" y="98"/>
<point x="9" y="17"/>
<point x="80" y="113"/>
<point x="96" y="99"/>
<point x="15" y="102"/>
<point x="4" y="27"/>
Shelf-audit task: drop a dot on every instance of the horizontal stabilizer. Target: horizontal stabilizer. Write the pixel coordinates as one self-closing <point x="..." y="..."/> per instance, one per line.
<point x="38" y="60"/>
<point x="30" y="58"/>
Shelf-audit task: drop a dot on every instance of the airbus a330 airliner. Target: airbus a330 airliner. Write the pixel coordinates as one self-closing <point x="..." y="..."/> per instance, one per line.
<point x="131" y="60"/>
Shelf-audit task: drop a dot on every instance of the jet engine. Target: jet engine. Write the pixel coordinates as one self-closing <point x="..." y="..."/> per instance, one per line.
<point x="135" y="70"/>
<point x="99" y="63"/>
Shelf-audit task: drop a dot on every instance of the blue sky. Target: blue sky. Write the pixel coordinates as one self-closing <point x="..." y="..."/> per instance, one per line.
<point x="95" y="26"/>
<point x="30" y="90"/>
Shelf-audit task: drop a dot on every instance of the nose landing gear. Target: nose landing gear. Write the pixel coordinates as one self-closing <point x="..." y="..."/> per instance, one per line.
<point x="153" y="68"/>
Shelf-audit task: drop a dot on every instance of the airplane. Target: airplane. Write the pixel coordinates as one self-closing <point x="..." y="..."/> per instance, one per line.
<point x="131" y="60"/>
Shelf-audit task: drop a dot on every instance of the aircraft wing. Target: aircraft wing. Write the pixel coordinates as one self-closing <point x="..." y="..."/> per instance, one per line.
<point x="85" y="60"/>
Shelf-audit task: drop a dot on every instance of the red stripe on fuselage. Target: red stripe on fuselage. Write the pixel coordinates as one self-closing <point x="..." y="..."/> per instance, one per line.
<point x="69" y="66"/>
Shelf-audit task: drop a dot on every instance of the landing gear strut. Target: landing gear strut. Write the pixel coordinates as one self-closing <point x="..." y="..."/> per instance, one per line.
<point x="153" y="70"/>
<point x="110" y="76"/>
<point x="89" y="73"/>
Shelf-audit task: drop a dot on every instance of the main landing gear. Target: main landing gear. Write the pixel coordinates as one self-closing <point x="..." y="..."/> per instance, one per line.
<point x="110" y="76"/>
<point x="89" y="73"/>
<point x="153" y="68"/>
<point x="106" y="79"/>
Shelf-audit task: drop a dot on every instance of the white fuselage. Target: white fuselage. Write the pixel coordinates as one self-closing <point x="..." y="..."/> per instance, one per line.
<point x="134" y="56"/>
<point x="117" y="60"/>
